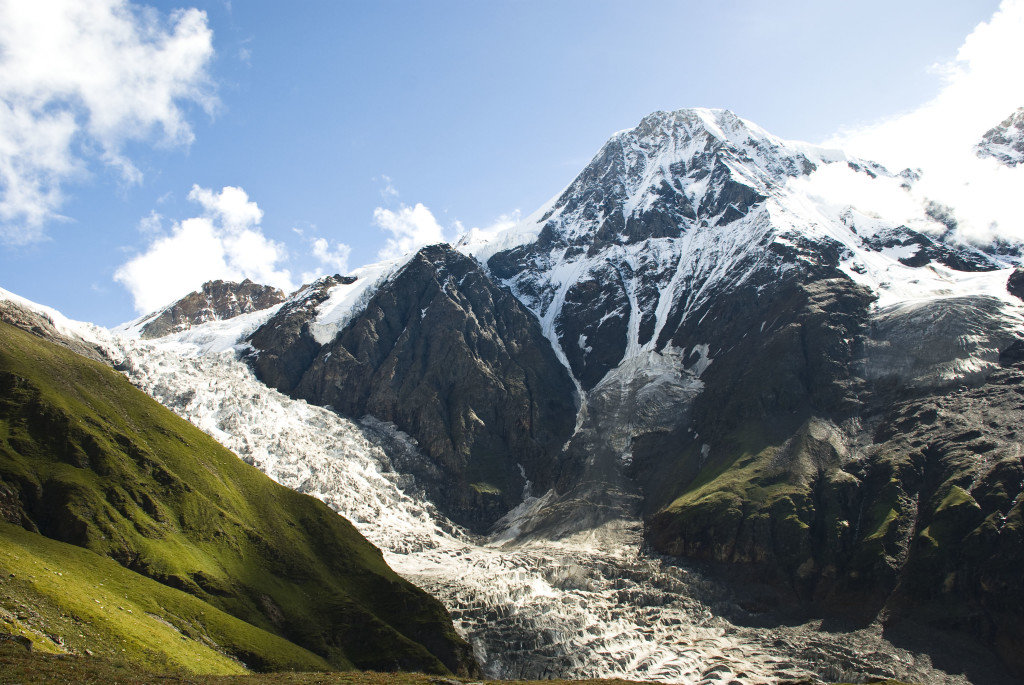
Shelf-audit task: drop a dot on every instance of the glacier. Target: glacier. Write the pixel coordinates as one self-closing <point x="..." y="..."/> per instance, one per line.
<point x="576" y="607"/>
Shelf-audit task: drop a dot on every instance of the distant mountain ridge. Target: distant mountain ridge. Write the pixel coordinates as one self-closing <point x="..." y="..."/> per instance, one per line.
<point x="215" y="301"/>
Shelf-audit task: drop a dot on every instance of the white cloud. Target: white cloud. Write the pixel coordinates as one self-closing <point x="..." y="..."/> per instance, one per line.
<point x="226" y="243"/>
<point x="982" y="87"/>
<point x="410" y="227"/>
<point x="331" y="261"/>
<point x="481" y="236"/>
<point x="337" y="260"/>
<point x="838" y="186"/>
<point x="152" y="224"/>
<point x="231" y="207"/>
<point x="79" y="80"/>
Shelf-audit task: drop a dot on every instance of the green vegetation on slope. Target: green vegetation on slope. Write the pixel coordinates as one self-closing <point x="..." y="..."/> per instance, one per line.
<point x="87" y="459"/>
<point x="67" y="599"/>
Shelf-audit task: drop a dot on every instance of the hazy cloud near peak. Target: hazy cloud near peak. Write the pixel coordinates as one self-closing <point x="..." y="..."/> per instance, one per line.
<point x="981" y="88"/>
<point x="224" y="242"/>
<point x="79" y="80"/>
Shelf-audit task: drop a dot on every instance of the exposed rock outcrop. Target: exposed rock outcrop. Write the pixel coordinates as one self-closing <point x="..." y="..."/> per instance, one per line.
<point x="216" y="300"/>
<point x="42" y="326"/>
<point x="285" y="345"/>
<point x="453" y="360"/>
<point x="1015" y="283"/>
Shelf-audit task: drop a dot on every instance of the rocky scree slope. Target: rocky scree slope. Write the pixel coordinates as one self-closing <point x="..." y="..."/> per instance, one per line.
<point x="87" y="459"/>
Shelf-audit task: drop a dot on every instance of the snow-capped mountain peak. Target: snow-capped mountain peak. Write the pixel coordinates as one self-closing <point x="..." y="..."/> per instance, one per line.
<point x="692" y="204"/>
<point x="700" y="166"/>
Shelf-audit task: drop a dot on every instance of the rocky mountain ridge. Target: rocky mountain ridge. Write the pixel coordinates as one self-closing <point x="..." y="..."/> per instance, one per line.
<point x="455" y="362"/>
<point x="215" y="301"/>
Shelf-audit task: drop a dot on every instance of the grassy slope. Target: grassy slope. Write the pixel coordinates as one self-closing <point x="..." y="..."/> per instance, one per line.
<point x="88" y="459"/>
<point x="65" y="598"/>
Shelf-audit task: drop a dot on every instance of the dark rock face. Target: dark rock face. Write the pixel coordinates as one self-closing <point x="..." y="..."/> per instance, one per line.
<point x="1005" y="142"/>
<point x="836" y="456"/>
<point x="595" y="316"/>
<point x="216" y="300"/>
<point x="285" y="347"/>
<point x="454" y="361"/>
<point x="1015" y="283"/>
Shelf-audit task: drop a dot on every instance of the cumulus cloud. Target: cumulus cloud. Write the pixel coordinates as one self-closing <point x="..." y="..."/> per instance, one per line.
<point x="336" y="259"/>
<point x="330" y="261"/>
<point x="480" y="236"/>
<point x="410" y="229"/>
<point x="80" y="80"/>
<point x="981" y="88"/>
<point x="224" y="242"/>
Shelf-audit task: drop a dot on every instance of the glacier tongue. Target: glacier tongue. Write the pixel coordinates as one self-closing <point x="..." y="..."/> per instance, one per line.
<point x="582" y="605"/>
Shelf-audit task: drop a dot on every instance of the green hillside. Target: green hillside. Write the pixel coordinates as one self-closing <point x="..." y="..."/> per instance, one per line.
<point x="87" y="459"/>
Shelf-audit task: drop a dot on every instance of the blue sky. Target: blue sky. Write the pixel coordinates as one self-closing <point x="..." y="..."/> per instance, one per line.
<point x="329" y="123"/>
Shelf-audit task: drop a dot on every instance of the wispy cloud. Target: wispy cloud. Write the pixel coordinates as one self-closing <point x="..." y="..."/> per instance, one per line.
<point x="982" y="87"/>
<point x="79" y="80"/>
<point x="224" y="242"/>
<point x="388" y="192"/>
<point x="477" y="235"/>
